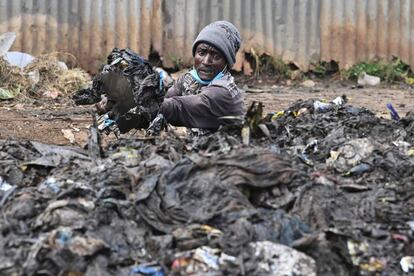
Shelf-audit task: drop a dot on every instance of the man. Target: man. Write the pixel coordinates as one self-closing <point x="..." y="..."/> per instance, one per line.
<point x="204" y="97"/>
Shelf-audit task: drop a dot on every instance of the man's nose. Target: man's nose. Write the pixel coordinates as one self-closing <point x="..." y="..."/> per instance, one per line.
<point x="208" y="59"/>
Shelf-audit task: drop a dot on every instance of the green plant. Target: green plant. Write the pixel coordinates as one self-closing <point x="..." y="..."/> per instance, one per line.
<point x="396" y="70"/>
<point x="357" y="69"/>
<point x="320" y="70"/>
<point x="388" y="71"/>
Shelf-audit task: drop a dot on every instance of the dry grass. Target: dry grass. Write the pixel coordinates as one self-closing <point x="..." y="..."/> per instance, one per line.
<point x="73" y="80"/>
<point x="43" y="75"/>
<point x="52" y="76"/>
<point x="12" y="78"/>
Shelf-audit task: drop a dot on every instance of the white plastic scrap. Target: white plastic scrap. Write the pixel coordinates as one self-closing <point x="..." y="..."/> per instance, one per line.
<point x="4" y="186"/>
<point x="365" y="79"/>
<point x="34" y="76"/>
<point x="407" y="263"/>
<point x="339" y="101"/>
<point x="207" y="256"/>
<point x="6" y="41"/>
<point x="321" y="106"/>
<point x="18" y="59"/>
<point x="50" y="184"/>
<point x="411" y="224"/>
<point x="281" y="260"/>
<point x="355" y="249"/>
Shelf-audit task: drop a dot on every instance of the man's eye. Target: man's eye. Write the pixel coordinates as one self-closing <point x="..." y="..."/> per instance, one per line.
<point x="217" y="57"/>
<point x="201" y="52"/>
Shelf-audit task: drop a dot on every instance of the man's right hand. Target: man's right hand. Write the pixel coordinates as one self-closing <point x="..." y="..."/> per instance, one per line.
<point x="129" y="121"/>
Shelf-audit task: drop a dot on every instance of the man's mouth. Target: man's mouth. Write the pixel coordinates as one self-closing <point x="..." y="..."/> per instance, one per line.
<point x="205" y="72"/>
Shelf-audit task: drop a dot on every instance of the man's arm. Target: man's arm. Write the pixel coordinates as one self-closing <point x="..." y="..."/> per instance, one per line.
<point x="202" y="110"/>
<point x="173" y="91"/>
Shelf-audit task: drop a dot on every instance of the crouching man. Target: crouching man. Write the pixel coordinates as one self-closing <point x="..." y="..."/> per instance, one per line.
<point x="205" y="96"/>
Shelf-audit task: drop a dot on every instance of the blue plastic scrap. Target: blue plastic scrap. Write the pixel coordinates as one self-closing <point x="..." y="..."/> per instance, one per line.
<point x="393" y="112"/>
<point x="148" y="269"/>
<point x="161" y="79"/>
<point x="63" y="237"/>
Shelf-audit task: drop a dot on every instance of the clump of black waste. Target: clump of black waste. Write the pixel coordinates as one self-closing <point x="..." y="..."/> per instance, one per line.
<point x="128" y="82"/>
<point x="336" y="185"/>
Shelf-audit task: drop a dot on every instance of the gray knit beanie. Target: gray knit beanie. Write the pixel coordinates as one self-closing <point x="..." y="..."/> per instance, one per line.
<point x="224" y="36"/>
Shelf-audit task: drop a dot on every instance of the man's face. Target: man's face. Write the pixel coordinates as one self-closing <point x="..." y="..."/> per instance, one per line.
<point x="208" y="61"/>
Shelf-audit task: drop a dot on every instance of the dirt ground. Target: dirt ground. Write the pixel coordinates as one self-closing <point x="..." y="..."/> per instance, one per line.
<point x="49" y="121"/>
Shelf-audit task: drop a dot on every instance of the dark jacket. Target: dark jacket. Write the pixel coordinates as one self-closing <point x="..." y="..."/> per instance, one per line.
<point x="190" y="104"/>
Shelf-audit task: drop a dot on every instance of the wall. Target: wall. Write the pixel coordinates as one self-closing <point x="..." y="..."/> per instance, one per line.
<point x="297" y="31"/>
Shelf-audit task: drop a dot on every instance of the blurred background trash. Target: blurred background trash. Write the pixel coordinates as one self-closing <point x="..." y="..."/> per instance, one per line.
<point x="18" y="59"/>
<point x="407" y="263"/>
<point x="6" y="42"/>
<point x="393" y="113"/>
<point x="367" y="80"/>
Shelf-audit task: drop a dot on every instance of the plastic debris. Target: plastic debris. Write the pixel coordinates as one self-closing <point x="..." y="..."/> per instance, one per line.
<point x="201" y="260"/>
<point x="206" y="256"/>
<point x="407" y="263"/>
<point x="341" y="100"/>
<point x="130" y="91"/>
<point x="148" y="269"/>
<point x="6" y="42"/>
<point x="359" y="169"/>
<point x="211" y="205"/>
<point x="305" y="159"/>
<point x="350" y="154"/>
<point x="356" y="249"/>
<point x="411" y="224"/>
<point x="322" y="107"/>
<point x="365" y="79"/>
<point x="4" y="186"/>
<point x="19" y="59"/>
<point x="374" y="265"/>
<point x="34" y="76"/>
<point x="393" y="112"/>
<point x="50" y="184"/>
<point x="276" y="115"/>
<point x="276" y="259"/>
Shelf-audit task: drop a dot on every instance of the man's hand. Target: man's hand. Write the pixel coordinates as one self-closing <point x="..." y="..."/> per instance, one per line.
<point x="131" y="120"/>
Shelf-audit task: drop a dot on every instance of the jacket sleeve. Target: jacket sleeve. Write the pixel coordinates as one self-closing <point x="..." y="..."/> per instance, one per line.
<point x="199" y="111"/>
<point x="173" y="91"/>
<point x="176" y="89"/>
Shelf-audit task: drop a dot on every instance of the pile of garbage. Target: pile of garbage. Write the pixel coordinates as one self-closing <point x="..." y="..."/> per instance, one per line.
<point x="318" y="191"/>
<point x="127" y="91"/>
<point x="22" y="75"/>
